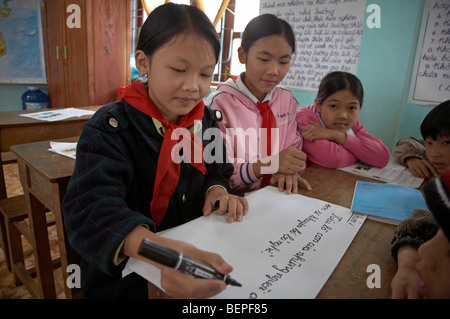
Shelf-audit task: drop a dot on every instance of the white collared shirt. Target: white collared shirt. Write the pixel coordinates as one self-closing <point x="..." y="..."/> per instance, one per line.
<point x="244" y="90"/>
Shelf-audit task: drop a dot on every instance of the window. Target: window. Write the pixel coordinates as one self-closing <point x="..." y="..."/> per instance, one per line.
<point x="229" y="28"/>
<point x="244" y="11"/>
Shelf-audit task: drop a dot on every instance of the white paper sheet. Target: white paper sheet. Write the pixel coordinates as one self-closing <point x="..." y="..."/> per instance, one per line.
<point x="58" y="115"/>
<point x="286" y="247"/>
<point x="66" y="149"/>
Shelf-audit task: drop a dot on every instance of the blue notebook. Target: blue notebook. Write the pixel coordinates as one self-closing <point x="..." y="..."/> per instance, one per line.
<point x="388" y="203"/>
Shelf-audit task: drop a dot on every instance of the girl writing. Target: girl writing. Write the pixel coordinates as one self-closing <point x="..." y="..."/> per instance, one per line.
<point x="126" y="184"/>
<point x="333" y="135"/>
<point x="254" y="106"/>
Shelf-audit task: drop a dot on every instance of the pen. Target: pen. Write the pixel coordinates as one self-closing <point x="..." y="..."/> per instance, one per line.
<point x="171" y="258"/>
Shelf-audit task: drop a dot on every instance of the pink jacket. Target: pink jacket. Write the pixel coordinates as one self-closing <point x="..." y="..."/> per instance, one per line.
<point x="360" y="145"/>
<point x="239" y="111"/>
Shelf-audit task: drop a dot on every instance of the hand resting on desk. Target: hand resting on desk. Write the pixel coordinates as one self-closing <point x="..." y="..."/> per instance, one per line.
<point x="289" y="182"/>
<point x="235" y="206"/>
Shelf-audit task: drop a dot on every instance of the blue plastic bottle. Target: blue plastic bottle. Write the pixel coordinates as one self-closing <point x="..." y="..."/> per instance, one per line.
<point x="34" y="99"/>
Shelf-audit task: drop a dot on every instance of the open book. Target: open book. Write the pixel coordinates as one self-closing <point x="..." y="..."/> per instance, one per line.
<point x="387" y="203"/>
<point x="393" y="173"/>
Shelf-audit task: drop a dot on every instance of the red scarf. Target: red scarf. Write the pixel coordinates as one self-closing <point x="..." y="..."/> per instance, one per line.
<point x="168" y="171"/>
<point x="268" y="123"/>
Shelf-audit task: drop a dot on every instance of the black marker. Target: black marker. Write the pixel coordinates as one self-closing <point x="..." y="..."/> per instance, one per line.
<point x="171" y="258"/>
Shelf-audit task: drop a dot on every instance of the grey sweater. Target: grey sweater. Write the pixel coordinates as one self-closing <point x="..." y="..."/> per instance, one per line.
<point x="414" y="231"/>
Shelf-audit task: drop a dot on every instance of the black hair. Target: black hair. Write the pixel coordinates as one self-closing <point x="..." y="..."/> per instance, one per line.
<point x="169" y="20"/>
<point x="337" y="81"/>
<point x="437" y="122"/>
<point x="266" y="25"/>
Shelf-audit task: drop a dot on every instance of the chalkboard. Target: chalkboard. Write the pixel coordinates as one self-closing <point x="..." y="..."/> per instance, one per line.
<point x="430" y="83"/>
<point x="328" y="35"/>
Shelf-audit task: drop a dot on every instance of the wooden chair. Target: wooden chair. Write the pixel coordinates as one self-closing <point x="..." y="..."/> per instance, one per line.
<point x="13" y="210"/>
<point x="13" y="217"/>
<point x="10" y="209"/>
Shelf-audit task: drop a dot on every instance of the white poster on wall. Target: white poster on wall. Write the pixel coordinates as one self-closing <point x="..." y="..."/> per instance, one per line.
<point x="328" y="35"/>
<point x="430" y="83"/>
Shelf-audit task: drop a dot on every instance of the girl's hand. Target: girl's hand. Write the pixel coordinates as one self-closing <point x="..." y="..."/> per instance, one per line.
<point x="404" y="283"/>
<point x="315" y="131"/>
<point x="236" y="206"/>
<point x="181" y="285"/>
<point x="421" y="167"/>
<point x="176" y="283"/>
<point x="288" y="161"/>
<point x="291" y="161"/>
<point x="289" y="182"/>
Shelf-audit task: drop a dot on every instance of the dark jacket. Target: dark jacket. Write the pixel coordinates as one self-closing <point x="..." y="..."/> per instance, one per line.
<point x="111" y="188"/>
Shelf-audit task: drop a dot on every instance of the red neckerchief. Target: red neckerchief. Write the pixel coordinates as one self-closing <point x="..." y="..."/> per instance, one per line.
<point x="168" y="171"/>
<point x="268" y="123"/>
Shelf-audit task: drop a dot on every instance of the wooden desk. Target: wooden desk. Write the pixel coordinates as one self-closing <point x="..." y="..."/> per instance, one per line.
<point x="16" y="129"/>
<point x="371" y="244"/>
<point x="44" y="176"/>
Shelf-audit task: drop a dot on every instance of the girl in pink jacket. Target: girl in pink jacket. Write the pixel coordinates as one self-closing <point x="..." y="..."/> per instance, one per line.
<point x="259" y="123"/>
<point x="333" y="135"/>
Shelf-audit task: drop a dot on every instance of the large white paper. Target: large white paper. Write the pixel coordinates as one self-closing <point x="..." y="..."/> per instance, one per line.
<point x="286" y="247"/>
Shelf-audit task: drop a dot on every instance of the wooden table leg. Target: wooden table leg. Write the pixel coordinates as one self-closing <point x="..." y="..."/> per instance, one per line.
<point x="67" y="253"/>
<point x="39" y="242"/>
<point x="41" y="249"/>
<point x="3" y="235"/>
<point x="2" y="179"/>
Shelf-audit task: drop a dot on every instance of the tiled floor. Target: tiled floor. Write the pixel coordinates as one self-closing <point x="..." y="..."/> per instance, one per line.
<point x="7" y="288"/>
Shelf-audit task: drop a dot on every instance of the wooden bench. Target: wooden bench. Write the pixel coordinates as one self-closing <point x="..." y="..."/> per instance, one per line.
<point x="7" y="158"/>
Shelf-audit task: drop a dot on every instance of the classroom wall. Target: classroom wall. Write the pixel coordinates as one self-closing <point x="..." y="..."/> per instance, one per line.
<point x="11" y="95"/>
<point x="385" y="68"/>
